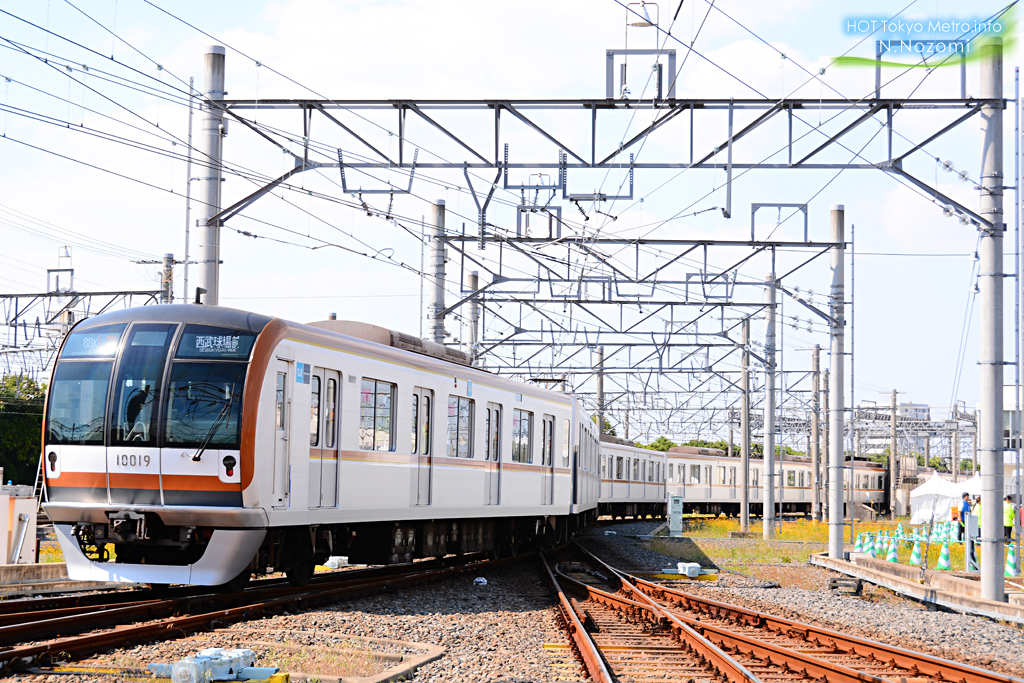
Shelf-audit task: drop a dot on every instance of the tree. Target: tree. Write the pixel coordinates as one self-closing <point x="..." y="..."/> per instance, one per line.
<point x="608" y="429"/>
<point x="938" y="464"/>
<point x="660" y="444"/>
<point x="21" y="425"/>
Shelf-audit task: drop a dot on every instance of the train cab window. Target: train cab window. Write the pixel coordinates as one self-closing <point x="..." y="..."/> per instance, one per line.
<point x="376" y="413"/>
<point x="790" y="477"/>
<point x="460" y="427"/>
<point x="279" y="400"/>
<point x="547" y="447"/>
<point x="493" y="426"/>
<point x="522" y="437"/>
<point x="314" y="411"/>
<point x="137" y="387"/>
<point x="694" y="474"/>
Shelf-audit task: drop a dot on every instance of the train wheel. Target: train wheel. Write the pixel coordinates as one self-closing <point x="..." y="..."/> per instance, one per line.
<point x="300" y="574"/>
<point x="238" y="583"/>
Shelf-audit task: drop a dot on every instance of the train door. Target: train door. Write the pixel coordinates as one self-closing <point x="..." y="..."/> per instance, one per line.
<point x="323" y="441"/>
<point x="282" y="408"/>
<point x="492" y="455"/>
<point x="547" y="461"/>
<point x="422" y="447"/>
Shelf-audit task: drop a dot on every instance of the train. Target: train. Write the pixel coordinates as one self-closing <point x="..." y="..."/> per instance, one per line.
<point x="708" y="481"/>
<point x="206" y="444"/>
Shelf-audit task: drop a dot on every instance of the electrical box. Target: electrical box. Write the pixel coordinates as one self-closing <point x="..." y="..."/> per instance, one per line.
<point x="675" y="515"/>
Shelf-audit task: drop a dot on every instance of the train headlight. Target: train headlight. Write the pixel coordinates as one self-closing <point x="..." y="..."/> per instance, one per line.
<point x="229" y="464"/>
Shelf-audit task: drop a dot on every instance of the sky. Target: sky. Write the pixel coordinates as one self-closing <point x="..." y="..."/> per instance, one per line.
<point x="63" y="184"/>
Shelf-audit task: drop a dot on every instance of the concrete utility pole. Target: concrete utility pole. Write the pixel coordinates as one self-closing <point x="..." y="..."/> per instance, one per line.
<point x="167" y="280"/>
<point x="974" y="452"/>
<point x="837" y="299"/>
<point x="824" y="438"/>
<point x="211" y="150"/>
<point x="474" y="316"/>
<point x="600" y="390"/>
<point x="927" y="450"/>
<point x="816" y="431"/>
<point x="893" y="455"/>
<point x="990" y="280"/>
<point x="188" y="194"/>
<point x="745" y="431"/>
<point x="438" y="256"/>
<point x="768" y="483"/>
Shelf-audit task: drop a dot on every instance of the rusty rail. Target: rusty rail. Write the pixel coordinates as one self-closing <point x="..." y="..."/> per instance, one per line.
<point x="722" y="662"/>
<point x="584" y="646"/>
<point x="920" y="664"/>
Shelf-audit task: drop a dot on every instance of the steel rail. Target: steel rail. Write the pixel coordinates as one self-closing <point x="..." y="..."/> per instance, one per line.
<point x="928" y="665"/>
<point x="584" y="645"/>
<point x="918" y="663"/>
<point x="20" y="658"/>
<point x="722" y="662"/>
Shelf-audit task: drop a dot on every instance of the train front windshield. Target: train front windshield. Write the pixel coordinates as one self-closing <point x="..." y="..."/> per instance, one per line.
<point x="112" y="386"/>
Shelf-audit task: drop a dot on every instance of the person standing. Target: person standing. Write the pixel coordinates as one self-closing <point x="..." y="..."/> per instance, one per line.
<point x="965" y="510"/>
<point x="1008" y="514"/>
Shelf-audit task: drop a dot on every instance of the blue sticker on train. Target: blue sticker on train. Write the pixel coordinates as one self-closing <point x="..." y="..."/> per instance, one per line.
<point x="302" y="373"/>
<point x="469" y="387"/>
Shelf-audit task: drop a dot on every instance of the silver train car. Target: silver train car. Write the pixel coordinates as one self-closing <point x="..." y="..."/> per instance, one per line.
<point x="206" y="444"/>
<point x="632" y="480"/>
<point x="709" y="482"/>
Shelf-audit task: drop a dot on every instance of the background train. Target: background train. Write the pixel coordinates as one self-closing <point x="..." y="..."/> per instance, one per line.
<point x="709" y="482"/>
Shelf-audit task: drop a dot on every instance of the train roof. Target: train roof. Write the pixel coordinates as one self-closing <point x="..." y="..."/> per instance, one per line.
<point x="186" y="313"/>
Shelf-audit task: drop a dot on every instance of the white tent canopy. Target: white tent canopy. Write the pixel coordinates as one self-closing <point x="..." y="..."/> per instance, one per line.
<point x="934" y="498"/>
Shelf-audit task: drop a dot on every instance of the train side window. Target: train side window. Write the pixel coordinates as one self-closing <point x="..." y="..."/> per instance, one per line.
<point x="721" y="475"/>
<point x="707" y="475"/>
<point x="460" y="427"/>
<point x="330" y="418"/>
<point x="522" y="436"/>
<point x="428" y="399"/>
<point x="732" y="476"/>
<point x="694" y="474"/>
<point x="618" y="467"/>
<point x="790" y="477"/>
<point x="376" y="407"/>
<point x="801" y="479"/>
<point x="636" y="469"/>
<point x="280" y="399"/>
<point x="566" y="432"/>
<point x="671" y="472"/>
<point x="314" y="411"/>
<point x="755" y="477"/>
<point x="547" y="454"/>
<point x="493" y="426"/>
<point x="415" y="422"/>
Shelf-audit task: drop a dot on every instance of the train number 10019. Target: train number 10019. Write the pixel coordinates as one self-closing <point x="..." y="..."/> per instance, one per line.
<point x="125" y="460"/>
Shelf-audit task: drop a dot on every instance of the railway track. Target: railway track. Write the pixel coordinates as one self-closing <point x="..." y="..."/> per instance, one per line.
<point x="68" y="632"/>
<point x="629" y="629"/>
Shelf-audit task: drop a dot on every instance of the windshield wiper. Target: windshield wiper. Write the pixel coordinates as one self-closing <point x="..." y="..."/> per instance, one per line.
<point x="209" y="435"/>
